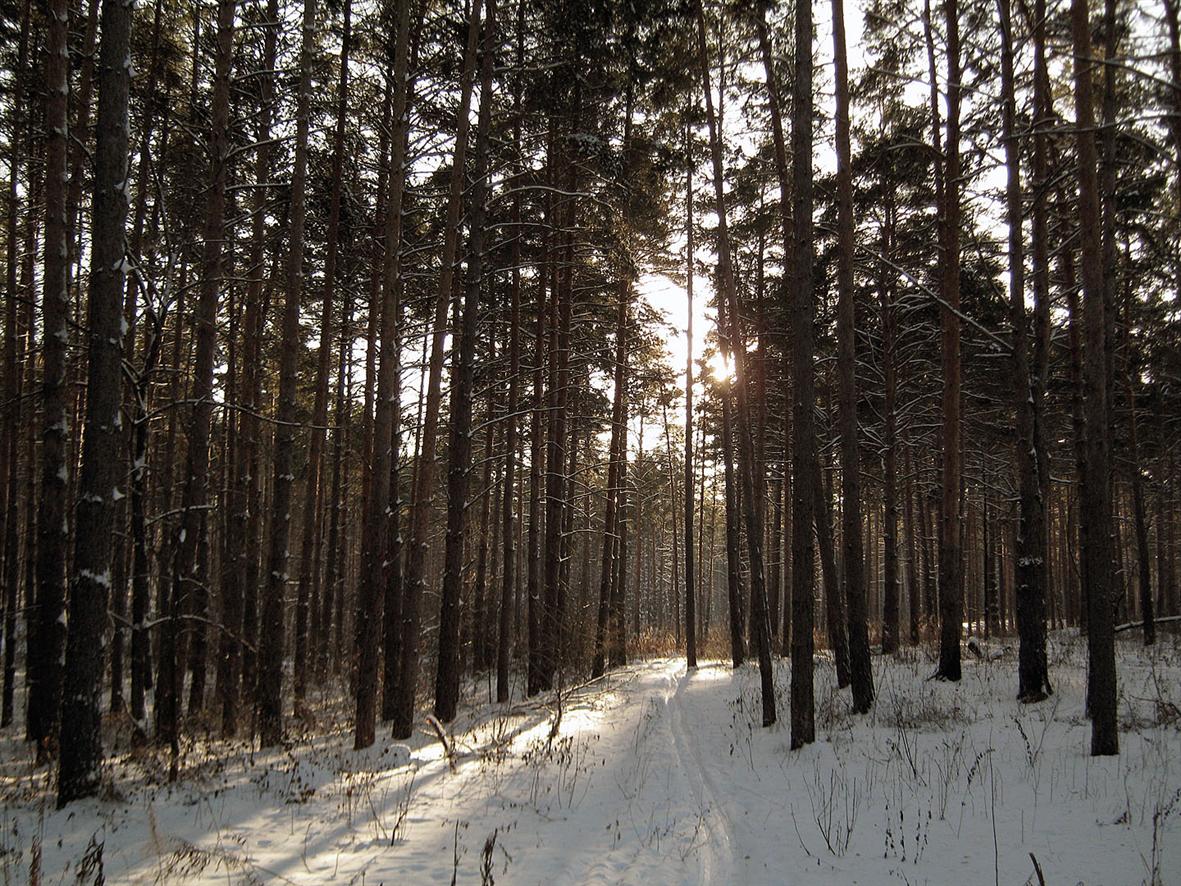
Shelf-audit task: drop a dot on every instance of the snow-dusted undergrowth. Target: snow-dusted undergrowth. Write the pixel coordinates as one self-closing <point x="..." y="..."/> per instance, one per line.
<point x="652" y="776"/>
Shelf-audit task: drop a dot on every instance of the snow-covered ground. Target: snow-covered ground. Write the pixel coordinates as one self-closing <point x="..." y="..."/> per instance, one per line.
<point x="654" y="776"/>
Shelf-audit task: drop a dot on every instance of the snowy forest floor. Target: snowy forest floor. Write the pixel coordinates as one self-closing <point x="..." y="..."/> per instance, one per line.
<point x="654" y="776"/>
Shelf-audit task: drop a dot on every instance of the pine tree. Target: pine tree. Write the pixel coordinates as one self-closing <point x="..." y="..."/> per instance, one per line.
<point x="79" y="773"/>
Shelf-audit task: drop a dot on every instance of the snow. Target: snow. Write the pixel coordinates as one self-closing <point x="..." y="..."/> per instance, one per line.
<point x="657" y="776"/>
<point x="103" y="579"/>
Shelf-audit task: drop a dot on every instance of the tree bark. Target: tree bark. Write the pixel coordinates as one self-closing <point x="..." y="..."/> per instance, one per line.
<point x="690" y="565"/>
<point x="52" y="534"/>
<point x="508" y="518"/>
<point x="403" y="719"/>
<point x="268" y="699"/>
<point x="188" y="571"/>
<point x="375" y="538"/>
<point x="314" y="482"/>
<point x="854" y="558"/>
<point x="804" y="462"/>
<point x="951" y="567"/>
<point x="1031" y="554"/>
<point x="241" y="556"/>
<point x="80" y="771"/>
<point x="463" y="381"/>
<point x="751" y="488"/>
<point x="1096" y="490"/>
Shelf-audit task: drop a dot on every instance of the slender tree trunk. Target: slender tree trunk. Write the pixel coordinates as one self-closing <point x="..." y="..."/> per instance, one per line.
<point x="42" y="673"/>
<point x="52" y="535"/>
<point x="463" y="383"/>
<point x="751" y="489"/>
<point x="131" y="310"/>
<point x="615" y="459"/>
<point x="617" y="448"/>
<point x="141" y="667"/>
<point x="552" y="650"/>
<point x="787" y="229"/>
<point x="891" y="630"/>
<point x="337" y="500"/>
<point x="1041" y="278"/>
<point x="690" y="565"/>
<point x="375" y="536"/>
<point x="1139" y="509"/>
<point x="537" y="458"/>
<point x="508" y="537"/>
<point x="853" y="573"/>
<point x="315" y="479"/>
<point x="617" y="629"/>
<point x="1096" y="491"/>
<point x="1032" y="672"/>
<point x="951" y="567"/>
<point x="834" y="612"/>
<point x="188" y="572"/>
<point x="80" y="770"/>
<point x="914" y="605"/>
<point x="403" y="719"/>
<point x="268" y="698"/>
<point x="389" y="600"/>
<point x="242" y="540"/>
<point x="806" y="470"/>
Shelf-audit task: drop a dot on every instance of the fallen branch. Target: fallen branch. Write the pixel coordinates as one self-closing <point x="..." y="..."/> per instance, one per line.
<point x="447" y="752"/>
<point x="1037" y="869"/>
<point x="1132" y="625"/>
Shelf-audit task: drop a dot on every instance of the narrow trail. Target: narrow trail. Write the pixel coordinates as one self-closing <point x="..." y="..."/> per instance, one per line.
<point x="717" y="857"/>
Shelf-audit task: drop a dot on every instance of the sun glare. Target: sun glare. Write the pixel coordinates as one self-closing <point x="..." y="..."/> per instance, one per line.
<point x="721" y="367"/>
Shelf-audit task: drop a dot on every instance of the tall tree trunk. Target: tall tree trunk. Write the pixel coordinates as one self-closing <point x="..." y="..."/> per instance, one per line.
<point x="616" y="456"/>
<point x="556" y="482"/>
<point x="403" y="719"/>
<point x="617" y="629"/>
<point x="787" y="231"/>
<point x="674" y="501"/>
<point x="1096" y="491"/>
<point x="1041" y="276"/>
<point x="537" y="440"/>
<point x="854" y="559"/>
<point x="315" y="480"/>
<point x="80" y="769"/>
<point x="131" y="311"/>
<point x="951" y="567"/>
<point x="509" y="576"/>
<point x="375" y="536"/>
<point x="188" y="571"/>
<point x="1139" y="509"/>
<point x="388" y="601"/>
<point x="690" y="565"/>
<point x="735" y="599"/>
<point x="268" y="697"/>
<point x="891" y="629"/>
<point x="834" y="612"/>
<point x="52" y="535"/>
<point x="141" y="667"/>
<point x="914" y="606"/>
<point x="241" y="556"/>
<point x="751" y="489"/>
<point x="463" y="381"/>
<point x="43" y="675"/>
<point x="1032" y="671"/>
<point x="617" y="448"/>
<point x="804" y="462"/>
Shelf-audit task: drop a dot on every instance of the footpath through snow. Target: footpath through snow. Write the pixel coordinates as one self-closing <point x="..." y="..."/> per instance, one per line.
<point x="655" y="776"/>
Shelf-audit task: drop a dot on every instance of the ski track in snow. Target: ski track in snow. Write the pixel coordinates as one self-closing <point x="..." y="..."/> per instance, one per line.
<point x="717" y="859"/>
<point x="657" y="776"/>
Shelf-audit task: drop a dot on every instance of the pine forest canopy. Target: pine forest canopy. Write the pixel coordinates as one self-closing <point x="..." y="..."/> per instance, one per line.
<point x="358" y="347"/>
